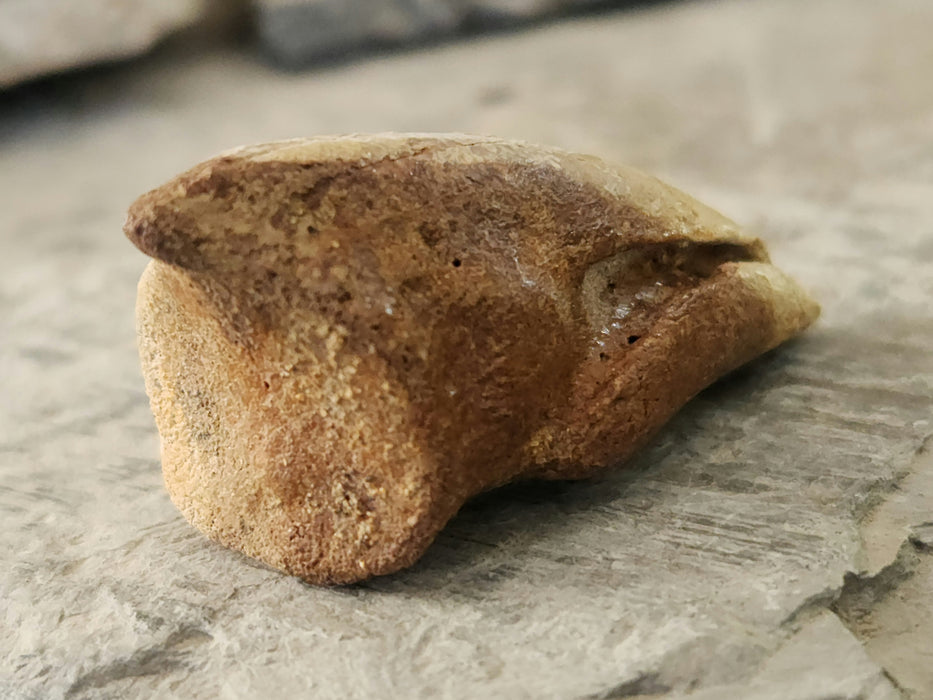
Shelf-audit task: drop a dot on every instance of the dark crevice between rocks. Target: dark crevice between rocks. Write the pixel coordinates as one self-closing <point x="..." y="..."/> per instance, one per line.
<point x="855" y="600"/>
<point x="888" y="611"/>
<point x="860" y="594"/>
<point x="858" y="601"/>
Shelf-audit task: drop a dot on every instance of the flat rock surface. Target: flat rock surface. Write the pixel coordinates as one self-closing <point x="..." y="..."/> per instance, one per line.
<point x="769" y="544"/>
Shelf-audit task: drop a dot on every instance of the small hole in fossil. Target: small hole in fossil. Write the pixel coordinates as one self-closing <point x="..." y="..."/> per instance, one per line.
<point x="266" y="384"/>
<point x="603" y="356"/>
<point x="611" y="286"/>
<point x="312" y="230"/>
<point x="457" y="262"/>
<point x="633" y="338"/>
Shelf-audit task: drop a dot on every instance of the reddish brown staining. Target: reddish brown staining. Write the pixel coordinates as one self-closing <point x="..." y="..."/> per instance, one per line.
<point x="267" y="284"/>
<point x="432" y="233"/>
<point x="495" y="370"/>
<point x="510" y="394"/>
<point x="416" y="289"/>
<point x="280" y="220"/>
<point x="380" y="200"/>
<point x="297" y="200"/>
<point x="314" y="195"/>
<point x="218" y="184"/>
<point x="165" y="234"/>
<point x="142" y="233"/>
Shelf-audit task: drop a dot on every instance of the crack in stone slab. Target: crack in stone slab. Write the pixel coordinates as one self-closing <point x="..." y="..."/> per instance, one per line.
<point x="851" y="601"/>
<point x="891" y="606"/>
<point x="822" y="660"/>
<point x="897" y="507"/>
<point x="860" y="593"/>
<point x="886" y="607"/>
<point x="921" y="536"/>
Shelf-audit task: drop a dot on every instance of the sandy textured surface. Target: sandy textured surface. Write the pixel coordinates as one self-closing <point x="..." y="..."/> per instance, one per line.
<point x="768" y="545"/>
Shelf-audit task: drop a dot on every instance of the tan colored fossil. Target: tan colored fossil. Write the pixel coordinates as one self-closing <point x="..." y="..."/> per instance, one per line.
<point x="344" y="339"/>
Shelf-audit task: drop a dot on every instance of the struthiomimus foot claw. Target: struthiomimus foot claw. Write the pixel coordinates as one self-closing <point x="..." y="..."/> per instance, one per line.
<point x="344" y="339"/>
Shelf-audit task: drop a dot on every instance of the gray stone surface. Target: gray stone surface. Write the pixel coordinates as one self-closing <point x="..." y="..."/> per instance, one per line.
<point x="46" y="36"/>
<point x="746" y="553"/>
<point x="296" y="32"/>
<point x="821" y="660"/>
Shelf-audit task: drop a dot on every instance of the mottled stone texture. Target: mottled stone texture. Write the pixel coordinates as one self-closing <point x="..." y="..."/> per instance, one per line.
<point x="46" y="36"/>
<point x="298" y="31"/>
<point x="769" y="529"/>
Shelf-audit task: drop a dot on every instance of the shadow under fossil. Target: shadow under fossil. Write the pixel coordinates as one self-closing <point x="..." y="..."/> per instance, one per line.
<point x="751" y="471"/>
<point x="765" y="468"/>
<point x="498" y="532"/>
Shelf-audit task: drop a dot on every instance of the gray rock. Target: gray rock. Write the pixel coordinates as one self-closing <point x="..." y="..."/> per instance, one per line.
<point x="820" y="661"/>
<point x="38" y="37"/>
<point x="298" y="31"/>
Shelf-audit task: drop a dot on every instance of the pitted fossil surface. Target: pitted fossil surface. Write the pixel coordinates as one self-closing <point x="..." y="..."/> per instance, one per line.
<point x="344" y="339"/>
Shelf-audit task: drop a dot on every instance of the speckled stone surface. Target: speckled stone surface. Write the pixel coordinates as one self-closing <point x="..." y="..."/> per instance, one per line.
<point x="764" y="546"/>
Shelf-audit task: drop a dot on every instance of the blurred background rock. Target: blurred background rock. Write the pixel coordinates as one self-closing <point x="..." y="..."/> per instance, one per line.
<point x="42" y="37"/>
<point x="39" y="37"/>
<point x="297" y="31"/>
